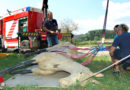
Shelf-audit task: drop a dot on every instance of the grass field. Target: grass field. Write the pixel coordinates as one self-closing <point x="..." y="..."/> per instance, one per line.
<point x="109" y="81"/>
<point x="89" y="43"/>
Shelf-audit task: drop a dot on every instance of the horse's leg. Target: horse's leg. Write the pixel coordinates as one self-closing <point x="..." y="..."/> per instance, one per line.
<point x="42" y="72"/>
<point x="22" y="64"/>
<point x="23" y="71"/>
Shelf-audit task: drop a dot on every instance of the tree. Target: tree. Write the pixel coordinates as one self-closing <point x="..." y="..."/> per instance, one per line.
<point x="96" y="38"/>
<point x="96" y="35"/>
<point x="67" y="26"/>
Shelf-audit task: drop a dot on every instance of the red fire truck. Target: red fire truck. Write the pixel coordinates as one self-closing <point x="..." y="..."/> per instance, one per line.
<point x="22" y="30"/>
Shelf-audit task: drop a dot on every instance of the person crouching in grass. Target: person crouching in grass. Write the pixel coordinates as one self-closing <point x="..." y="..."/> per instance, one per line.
<point x="123" y="41"/>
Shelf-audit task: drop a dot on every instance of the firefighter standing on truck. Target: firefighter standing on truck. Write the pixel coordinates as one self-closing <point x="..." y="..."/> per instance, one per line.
<point x="51" y="27"/>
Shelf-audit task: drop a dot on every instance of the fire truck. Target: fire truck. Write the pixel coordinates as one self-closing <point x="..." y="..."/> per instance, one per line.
<point x="22" y="30"/>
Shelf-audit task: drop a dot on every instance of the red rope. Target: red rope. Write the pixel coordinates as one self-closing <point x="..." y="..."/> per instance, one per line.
<point x="71" y="55"/>
<point x="86" y="62"/>
<point x="91" y="54"/>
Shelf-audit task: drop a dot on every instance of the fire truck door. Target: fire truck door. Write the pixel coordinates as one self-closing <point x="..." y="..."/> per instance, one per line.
<point x="11" y="36"/>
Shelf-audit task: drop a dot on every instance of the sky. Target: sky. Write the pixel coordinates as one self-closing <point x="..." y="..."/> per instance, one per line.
<point x="87" y="14"/>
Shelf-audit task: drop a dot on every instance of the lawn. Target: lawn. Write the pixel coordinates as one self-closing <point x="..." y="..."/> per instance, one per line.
<point x="109" y="81"/>
<point x="90" y="43"/>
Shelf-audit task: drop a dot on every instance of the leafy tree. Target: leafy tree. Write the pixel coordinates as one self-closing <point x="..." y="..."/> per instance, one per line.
<point x="67" y="26"/>
<point x="96" y="35"/>
<point x="96" y="38"/>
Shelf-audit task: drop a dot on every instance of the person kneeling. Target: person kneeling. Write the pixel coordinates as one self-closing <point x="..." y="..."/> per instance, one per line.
<point x="123" y="41"/>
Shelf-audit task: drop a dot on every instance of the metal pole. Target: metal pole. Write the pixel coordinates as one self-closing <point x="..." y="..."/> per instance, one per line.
<point x="44" y="8"/>
<point x="104" y="26"/>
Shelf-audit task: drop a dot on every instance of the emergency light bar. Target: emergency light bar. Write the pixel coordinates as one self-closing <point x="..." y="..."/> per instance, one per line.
<point x="22" y="10"/>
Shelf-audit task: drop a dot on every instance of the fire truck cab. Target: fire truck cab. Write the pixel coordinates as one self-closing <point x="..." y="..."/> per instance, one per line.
<point x="22" y="30"/>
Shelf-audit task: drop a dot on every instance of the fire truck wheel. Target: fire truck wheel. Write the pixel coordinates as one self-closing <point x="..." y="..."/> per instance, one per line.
<point x="24" y="46"/>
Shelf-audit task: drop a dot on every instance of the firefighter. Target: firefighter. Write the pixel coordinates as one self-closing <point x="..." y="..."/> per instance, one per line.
<point x="123" y="41"/>
<point x="51" y="27"/>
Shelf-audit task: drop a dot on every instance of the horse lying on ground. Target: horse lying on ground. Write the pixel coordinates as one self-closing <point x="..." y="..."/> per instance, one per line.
<point x="51" y="62"/>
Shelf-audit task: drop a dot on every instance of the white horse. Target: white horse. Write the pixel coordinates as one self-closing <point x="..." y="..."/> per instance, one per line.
<point x="51" y="62"/>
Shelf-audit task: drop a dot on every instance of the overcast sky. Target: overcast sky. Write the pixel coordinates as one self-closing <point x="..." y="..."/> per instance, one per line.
<point x="88" y="14"/>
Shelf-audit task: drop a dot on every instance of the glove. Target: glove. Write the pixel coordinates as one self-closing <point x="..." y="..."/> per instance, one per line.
<point x="103" y="48"/>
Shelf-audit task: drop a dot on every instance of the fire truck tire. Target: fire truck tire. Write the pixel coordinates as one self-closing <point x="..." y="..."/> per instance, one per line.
<point x="24" y="45"/>
<point x="35" y="44"/>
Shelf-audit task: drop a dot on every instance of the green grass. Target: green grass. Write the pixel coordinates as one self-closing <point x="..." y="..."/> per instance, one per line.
<point x="109" y="81"/>
<point x="89" y="43"/>
<point x="11" y="60"/>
